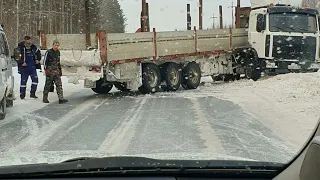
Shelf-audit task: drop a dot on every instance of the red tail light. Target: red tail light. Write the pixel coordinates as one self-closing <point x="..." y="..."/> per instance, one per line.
<point x="95" y="69"/>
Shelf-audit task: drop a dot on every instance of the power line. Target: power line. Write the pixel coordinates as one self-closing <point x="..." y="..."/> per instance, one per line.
<point x="213" y="18"/>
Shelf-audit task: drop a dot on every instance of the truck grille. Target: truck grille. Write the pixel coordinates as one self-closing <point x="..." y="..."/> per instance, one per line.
<point x="300" y="48"/>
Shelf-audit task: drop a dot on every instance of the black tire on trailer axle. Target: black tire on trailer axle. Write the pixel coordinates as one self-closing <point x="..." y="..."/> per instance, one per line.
<point x="10" y="101"/>
<point x="121" y="86"/>
<point x="237" y="76"/>
<point x="252" y="72"/>
<point x="151" y="78"/>
<point x="3" y="107"/>
<point x="102" y="87"/>
<point x="173" y="77"/>
<point x="217" y="78"/>
<point x="191" y="76"/>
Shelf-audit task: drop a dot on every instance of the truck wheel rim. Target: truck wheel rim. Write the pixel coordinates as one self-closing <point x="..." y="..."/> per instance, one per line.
<point x="174" y="77"/>
<point x="152" y="78"/>
<point x="193" y="76"/>
<point x="248" y="72"/>
<point x="2" y="108"/>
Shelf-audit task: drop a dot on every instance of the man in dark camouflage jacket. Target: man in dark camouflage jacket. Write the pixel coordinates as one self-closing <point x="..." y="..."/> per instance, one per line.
<point x="53" y="72"/>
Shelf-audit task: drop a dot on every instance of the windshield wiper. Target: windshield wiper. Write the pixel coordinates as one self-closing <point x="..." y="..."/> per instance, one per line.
<point x="133" y="165"/>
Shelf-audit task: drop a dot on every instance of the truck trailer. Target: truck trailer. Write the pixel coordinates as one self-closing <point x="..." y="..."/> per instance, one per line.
<point x="278" y="37"/>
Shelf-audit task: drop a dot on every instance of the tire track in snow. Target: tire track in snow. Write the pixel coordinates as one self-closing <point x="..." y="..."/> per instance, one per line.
<point x="36" y="140"/>
<point x="61" y="134"/>
<point x="119" y="138"/>
<point x="212" y="142"/>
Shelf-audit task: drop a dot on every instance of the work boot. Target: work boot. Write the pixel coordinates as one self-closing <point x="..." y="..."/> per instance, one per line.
<point x="62" y="101"/>
<point x="45" y="101"/>
<point x="45" y="98"/>
<point x="33" y="96"/>
<point x="22" y="97"/>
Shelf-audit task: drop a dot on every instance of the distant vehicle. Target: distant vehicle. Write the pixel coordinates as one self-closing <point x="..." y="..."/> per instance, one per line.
<point x="6" y="77"/>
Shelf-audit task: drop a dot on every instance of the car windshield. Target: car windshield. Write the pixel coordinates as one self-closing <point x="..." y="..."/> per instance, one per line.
<point x="196" y="80"/>
<point x="293" y="22"/>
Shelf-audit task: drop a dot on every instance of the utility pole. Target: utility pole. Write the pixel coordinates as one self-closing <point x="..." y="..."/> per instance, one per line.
<point x="232" y="6"/>
<point x="17" y="30"/>
<point x="148" y="23"/>
<point x="200" y="14"/>
<point x="213" y="24"/>
<point x="238" y="14"/>
<point x="188" y="17"/>
<point x="144" y="17"/>
<point x="220" y="17"/>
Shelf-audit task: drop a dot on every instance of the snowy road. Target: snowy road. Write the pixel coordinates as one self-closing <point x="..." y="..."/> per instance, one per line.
<point x="214" y="121"/>
<point x="143" y="124"/>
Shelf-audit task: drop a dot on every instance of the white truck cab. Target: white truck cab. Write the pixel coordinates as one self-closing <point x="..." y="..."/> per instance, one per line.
<point x="6" y="76"/>
<point x="285" y="37"/>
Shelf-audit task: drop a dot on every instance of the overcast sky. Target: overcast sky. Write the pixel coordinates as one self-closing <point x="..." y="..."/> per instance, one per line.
<point x="168" y="15"/>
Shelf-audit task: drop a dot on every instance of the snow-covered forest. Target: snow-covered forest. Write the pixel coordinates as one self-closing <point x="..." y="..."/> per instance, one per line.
<point x="26" y="17"/>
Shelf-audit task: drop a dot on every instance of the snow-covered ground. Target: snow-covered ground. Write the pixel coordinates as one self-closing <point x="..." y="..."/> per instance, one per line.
<point x="28" y="105"/>
<point x="287" y="105"/>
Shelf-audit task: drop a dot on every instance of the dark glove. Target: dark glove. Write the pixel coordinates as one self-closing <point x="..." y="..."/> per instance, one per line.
<point x="47" y="72"/>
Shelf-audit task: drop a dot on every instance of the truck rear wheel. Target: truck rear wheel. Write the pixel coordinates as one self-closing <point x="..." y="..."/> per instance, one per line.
<point x="121" y="86"/>
<point x="102" y="87"/>
<point x="3" y="107"/>
<point x="191" y="76"/>
<point x="237" y="76"/>
<point x="151" y="78"/>
<point x="173" y="77"/>
<point x="252" y="73"/>
<point x="217" y="78"/>
<point x="9" y="100"/>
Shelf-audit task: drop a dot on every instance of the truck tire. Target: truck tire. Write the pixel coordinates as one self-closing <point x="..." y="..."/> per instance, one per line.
<point x="191" y="76"/>
<point x="253" y="73"/>
<point x="10" y="103"/>
<point x="121" y="86"/>
<point x="253" y="69"/>
<point x="237" y="76"/>
<point x="9" y="100"/>
<point x="151" y="78"/>
<point x="173" y="77"/>
<point x="228" y="77"/>
<point x="102" y="88"/>
<point x="3" y="108"/>
<point x="217" y="78"/>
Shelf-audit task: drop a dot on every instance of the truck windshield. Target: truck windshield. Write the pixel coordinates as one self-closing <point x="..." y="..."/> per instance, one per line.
<point x="293" y="22"/>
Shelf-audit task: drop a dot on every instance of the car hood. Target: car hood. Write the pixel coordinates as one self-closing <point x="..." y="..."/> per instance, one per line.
<point x="23" y="158"/>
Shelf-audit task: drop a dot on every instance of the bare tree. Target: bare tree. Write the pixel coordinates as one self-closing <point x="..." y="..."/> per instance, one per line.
<point x="26" y="17"/>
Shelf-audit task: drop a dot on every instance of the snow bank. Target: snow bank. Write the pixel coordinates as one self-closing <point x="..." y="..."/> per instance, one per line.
<point x="28" y="104"/>
<point x="289" y="104"/>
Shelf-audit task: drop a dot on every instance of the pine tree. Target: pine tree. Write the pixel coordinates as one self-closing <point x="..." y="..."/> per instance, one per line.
<point x="58" y="17"/>
<point x="108" y="16"/>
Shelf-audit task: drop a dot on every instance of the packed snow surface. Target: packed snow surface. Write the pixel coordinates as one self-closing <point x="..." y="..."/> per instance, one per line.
<point x="287" y="105"/>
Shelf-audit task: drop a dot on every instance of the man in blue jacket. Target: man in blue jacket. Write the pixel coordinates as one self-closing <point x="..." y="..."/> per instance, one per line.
<point x="28" y="63"/>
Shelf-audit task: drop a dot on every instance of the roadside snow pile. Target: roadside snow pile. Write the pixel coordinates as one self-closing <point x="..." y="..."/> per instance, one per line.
<point x="289" y="104"/>
<point x="28" y="105"/>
